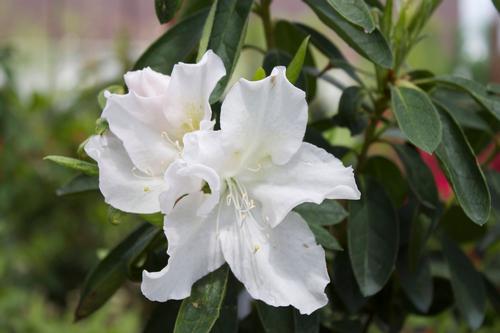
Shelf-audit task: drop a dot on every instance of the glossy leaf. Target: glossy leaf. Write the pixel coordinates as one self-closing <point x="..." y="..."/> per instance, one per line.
<point x="458" y="227"/>
<point x="325" y="238"/>
<point x="372" y="46"/>
<point x="416" y="282"/>
<point x="199" y="311"/>
<point x="207" y="31"/>
<point x="417" y="117"/>
<point x="373" y="237"/>
<point x="344" y="283"/>
<point x="175" y="45"/>
<point x="329" y="212"/>
<point x="467" y="284"/>
<point x="109" y="274"/>
<point x="475" y="90"/>
<point x="228" y="317"/>
<point x="295" y="66"/>
<point x="80" y="183"/>
<point x="275" y="319"/>
<point x="350" y="113"/>
<point x="227" y="35"/>
<point x="420" y="178"/>
<point x="87" y="168"/>
<point x="389" y="176"/>
<point x="463" y="171"/>
<point x="355" y="11"/>
<point x="165" y="9"/>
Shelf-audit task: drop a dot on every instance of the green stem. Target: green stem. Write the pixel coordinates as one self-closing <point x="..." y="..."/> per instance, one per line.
<point x="265" y="15"/>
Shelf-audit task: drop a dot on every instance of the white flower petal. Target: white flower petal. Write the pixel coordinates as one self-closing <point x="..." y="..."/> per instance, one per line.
<point x="312" y="175"/>
<point x="189" y="92"/>
<point x="146" y="82"/>
<point x="280" y="266"/>
<point x="123" y="186"/>
<point x="140" y="124"/>
<point x="183" y="178"/>
<point x="265" y="118"/>
<point x="194" y="251"/>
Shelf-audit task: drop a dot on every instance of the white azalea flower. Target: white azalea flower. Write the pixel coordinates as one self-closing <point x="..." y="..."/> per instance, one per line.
<point x="146" y="127"/>
<point x="258" y="169"/>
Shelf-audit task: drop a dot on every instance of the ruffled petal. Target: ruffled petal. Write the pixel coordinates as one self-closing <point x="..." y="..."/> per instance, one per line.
<point x="123" y="186"/>
<point x="265" y="118"/>
<point x="193" y="249"/>
<point x="146" y="82"/>
<point x="188" y="107"/>
<point x="140" y="124"/>
<point x="280" y="266"/>
<point x="312" y="175"/>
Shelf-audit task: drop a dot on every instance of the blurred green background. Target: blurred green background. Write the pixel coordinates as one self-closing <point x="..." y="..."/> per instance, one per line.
<point x="55" y="57"/>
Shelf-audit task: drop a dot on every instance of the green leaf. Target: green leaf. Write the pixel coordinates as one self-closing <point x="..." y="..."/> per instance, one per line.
<point x="344" y="283"/>
<point x="372" y="46"/>
<point x="372" y="237"/>
<point x="350" y="113"/>
<point x="420" y="178"/>
<point x="109" y="274"/>
<point x="416" y="283"/>
<point x="227" y="35"/>
<point x="80" y="183"/>
<point x="458" y="227"/>
<point x="162" y="318"/>
<point x="325" y="46"/>
<point x="355" y="11"/>
<point x="275" y="58"/>
<point x="165" y="9"/>
<point x="228" y="318"/>
<point x="87" y="168"/>
<point x="329" y="212"/>
<point x="306" y="323"/>
<point x="475" y="90"/>
<point x="463" y="171"/>
<point x="388" y="174"/>
<point x="114" y="89"/>
<point x="199" y="311"/>
<point x="497" y="4"/>
<point x="417" y="117"/>
<point x="275" y="319"/>
<point x="324" y="238"/>
<point x="207" y="31"/>
<point x="467" y="284"/>
<point x="174" y="45"/>
<point x="295" y="66"/>
<point x="259" y="74"/>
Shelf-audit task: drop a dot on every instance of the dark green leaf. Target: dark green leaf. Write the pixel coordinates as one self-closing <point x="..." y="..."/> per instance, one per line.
<point x="324" y="238"/>
<point x="497" y="4"/>
<point x="165" y="9"/>
<point x="199" y="311"/>
<point x="175" y="45"/>
<point x="388" y="174"/>
<point x="417" y="117"/>
<point x="458" y="227"/>
<point x="80" y="183"/>
<point x="227" y="36"/>
<point x="88" y="168"/>
<point x="420" y="178"/>
<point x="316" y="138"/>
<point x="275" y="319"/>
<point x="416" y="283"/>
<point x="325" y="46"/>
<point x="306" y="324"/>
<point x="372" y="46"/>
<point x="463" y="171"/>
<point x="476" y="90"/>
<point x="279" y="58"/>
<point x="443" y="296"/>
<point x="372" y="237"/>
<point x="162" y="319"/>
<point x="294" y="68"/>
<point x="350" y="113"/>
<point x="109" y="274"/>
<point x="329" y="212"/>
<point x="355" y="11"/>
<point x="228" y="317"/>
<point x="492" y="293"/>
<point x="467" y="284"/>
<point x="344" y="283"/>
<point x="207" y="31"/>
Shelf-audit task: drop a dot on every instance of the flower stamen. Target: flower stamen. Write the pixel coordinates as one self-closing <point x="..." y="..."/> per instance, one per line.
<point x="238" y="197"/>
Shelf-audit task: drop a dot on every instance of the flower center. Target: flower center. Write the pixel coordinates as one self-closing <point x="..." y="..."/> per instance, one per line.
<point x="238" y="197"/>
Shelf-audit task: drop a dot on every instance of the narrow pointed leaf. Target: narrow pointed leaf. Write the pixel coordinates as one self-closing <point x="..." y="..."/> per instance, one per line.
<point x="295" y="66"/>
<point x="109" y="274"/>
<point x="175" y="45"/>
<point x="417" y="117"/>
<point x="80" y="183"/>
<point x="324" y="238"/>
<point x="355" y="11"/>
<point x="463" y="171"/>
<point x="207" y="31"/>
<point x="259" y="74"/>
<point x="329" y="212"/>
<point x="199" y="311"/>
<point x="373" y="238"/>
<point x="87" y="168"/>
<point x="420" y="178"/>
<point x="372" y="46"/>
<point x="467" y="284"/>
<point x="227" y="35"/>
<point x="416" y="283"/>
<point x="228" y="317"/>
<point x="165" y="9"/>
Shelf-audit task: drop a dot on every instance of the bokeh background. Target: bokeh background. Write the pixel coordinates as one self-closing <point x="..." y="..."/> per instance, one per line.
<point x="55" y="57"/>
